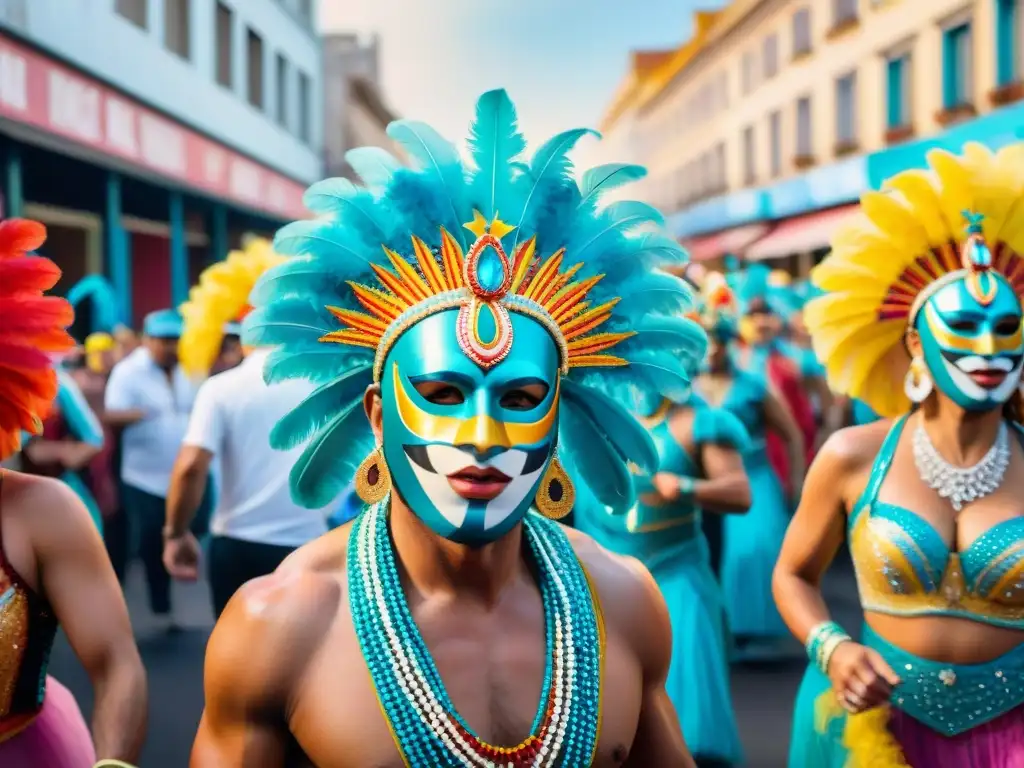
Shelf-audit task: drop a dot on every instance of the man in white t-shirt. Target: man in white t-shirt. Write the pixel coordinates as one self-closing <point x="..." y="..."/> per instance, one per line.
<point x="149" y="397"/>
<point x="255" y="523"/>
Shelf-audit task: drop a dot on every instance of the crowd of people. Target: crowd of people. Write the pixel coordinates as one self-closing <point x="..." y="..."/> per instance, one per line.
<point x="365" y="433"/>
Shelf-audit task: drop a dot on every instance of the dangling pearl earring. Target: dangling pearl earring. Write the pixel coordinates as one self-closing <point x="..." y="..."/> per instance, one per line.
<point x="918" y="384"/>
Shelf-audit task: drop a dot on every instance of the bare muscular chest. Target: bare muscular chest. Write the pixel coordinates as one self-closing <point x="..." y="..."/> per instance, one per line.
<point x="493" y="670"/>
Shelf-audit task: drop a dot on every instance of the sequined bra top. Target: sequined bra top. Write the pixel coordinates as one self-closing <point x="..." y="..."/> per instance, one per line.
<point x="27" y="631"/>
<point x="905" y="568"/>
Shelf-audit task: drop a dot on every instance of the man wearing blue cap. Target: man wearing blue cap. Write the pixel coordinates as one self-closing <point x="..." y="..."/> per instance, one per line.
<point x="150" y="398"/>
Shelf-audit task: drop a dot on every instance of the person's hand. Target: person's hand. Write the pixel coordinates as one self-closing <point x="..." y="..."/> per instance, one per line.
<point x="860" y="677"/>
<point x="75" y="456"/>
<point x="667" y="486"/>
<point x="181" y="557"/>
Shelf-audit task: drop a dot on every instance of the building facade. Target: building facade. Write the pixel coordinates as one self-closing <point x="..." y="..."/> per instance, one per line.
<point x="149" y="135"/>
<point x="355" y="111"/>
<point x="762" y="129"/>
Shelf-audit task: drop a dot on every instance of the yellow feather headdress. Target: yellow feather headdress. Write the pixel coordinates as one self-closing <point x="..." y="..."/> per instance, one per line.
<point x="220" y="298"/>
<point x="905" y="242"/>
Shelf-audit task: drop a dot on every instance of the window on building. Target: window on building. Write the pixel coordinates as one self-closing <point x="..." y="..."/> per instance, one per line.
<point x="254" y="56"/>
<point x="306" y="10"/>
<point x="843" y="11"/>
<point x="846" y="109"/>
<point x="224" y="28"/>
<point x="804" y="141"/>
<point x="802" y="31"/>
<point x="749" y="156"/>
<point x="282" y="91"/>
<point x="1008" y="41"/>
<point x="897" y="88"/>
<point x="305" y="106"/>
<point x="133" y="10"/>
<point x="957" y="66"/>
<point x="775" y="143"/>
<point x="720" y="170"/>
<point x="748" y="74"/>
<point x="177" y="27"/>
<point x="723" y="89"/>
<point x="770" y="56"/>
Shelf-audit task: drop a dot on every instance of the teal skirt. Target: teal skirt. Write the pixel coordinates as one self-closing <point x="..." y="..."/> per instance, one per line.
<point x="751" y="544"/>
<point x="698" y="677"/>
<point x="940" y="714"/>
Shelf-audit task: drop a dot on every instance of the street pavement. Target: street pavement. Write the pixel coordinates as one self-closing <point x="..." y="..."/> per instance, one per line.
<point x="763" y="692"/>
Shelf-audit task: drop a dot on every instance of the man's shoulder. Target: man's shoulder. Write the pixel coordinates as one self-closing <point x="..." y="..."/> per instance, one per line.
<point x="629" y="595"/>
<point x="274" y="624"/>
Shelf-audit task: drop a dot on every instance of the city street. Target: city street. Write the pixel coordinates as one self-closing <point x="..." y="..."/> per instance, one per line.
<point x="763" y="692"/>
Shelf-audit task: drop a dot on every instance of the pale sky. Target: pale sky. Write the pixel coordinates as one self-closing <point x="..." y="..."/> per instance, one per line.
<point x="560" y="60"/>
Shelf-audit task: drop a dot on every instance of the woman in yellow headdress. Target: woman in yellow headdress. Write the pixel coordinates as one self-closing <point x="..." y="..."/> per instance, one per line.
<point x="921" y="318"/>
<point x="211" y="334"/>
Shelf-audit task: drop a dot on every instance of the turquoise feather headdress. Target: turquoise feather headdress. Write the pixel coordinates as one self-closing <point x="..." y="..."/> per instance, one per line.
<point x="379" y="259"/>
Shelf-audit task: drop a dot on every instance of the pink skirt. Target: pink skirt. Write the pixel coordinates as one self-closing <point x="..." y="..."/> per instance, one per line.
<point x="998" y="743"/>
<point x="57" y="738"/>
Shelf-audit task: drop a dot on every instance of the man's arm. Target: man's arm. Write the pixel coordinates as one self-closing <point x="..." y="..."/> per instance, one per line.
<point x="120" y="401"/>
<point x="255" y="661"/>
<point x="189" y="477"/>
<point x="79" y="582"/>
<point x="659" y="737"/>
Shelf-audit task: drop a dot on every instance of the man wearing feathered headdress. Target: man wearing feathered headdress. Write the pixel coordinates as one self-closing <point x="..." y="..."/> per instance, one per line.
<point x="255" y="524"/>
<point x="470" y="330"/>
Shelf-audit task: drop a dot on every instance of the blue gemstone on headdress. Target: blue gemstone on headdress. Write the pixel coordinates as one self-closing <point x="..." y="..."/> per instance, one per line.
<point x="490" y="270"/>
<point x="978" y="254"/>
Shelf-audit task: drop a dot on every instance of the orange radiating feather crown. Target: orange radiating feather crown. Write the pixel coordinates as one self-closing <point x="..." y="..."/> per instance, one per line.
<point x="542" y="282"/>
<point x="32" y="330"/>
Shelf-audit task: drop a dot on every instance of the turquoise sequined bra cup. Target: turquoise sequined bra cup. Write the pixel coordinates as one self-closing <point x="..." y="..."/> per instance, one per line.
<point x="905" y="568"/>
<point x="423" y="719"/>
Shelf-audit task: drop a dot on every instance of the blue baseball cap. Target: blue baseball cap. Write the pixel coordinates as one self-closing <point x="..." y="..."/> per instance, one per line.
<point x="162" y="324"/>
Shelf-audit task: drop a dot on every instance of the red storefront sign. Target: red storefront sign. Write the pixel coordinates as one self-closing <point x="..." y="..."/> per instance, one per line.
<point x="40" y="92"/>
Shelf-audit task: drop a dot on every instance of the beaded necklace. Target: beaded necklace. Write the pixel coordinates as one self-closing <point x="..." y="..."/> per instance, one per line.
<point x="426" y="728"/>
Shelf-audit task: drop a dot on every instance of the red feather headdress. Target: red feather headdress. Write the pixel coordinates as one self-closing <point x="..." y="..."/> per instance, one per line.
<point x="32" y="330"/>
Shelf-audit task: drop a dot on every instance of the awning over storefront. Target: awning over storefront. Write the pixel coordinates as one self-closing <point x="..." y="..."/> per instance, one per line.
<point x="734" y="241"/>
<point x="801" y="234"/>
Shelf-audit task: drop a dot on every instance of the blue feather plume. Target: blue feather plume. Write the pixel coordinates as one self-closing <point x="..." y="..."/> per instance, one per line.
<point x="495" y="142"/>
<point x="321" y="406"/>
<point x="375" y="166"/>
<point x="440" y="166"/>
<point x="605" y="178"/>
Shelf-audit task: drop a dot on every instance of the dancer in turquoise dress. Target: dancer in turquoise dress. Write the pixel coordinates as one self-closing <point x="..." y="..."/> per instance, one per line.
<point x="751" y="542"/>
<point x="923" y="322"/>
<point x="701" y="467"/>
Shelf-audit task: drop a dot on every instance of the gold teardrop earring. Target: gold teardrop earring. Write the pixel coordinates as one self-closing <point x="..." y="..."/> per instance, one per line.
<point x="373" y="478"/>
<point x="556" y="494"/>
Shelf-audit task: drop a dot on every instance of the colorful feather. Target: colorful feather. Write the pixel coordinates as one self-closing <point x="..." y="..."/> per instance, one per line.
<point x="31" y="325"/>
<point x="495" y="142"/>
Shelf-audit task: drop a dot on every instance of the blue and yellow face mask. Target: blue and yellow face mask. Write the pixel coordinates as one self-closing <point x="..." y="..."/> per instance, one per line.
<point x="467" y="446"/>
<point x="972" y="340"/>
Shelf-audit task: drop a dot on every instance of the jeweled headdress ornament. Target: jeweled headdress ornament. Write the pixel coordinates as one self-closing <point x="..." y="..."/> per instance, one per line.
<point x="502" y="239"/>
<point x="32" y="331"/>
<point x="961" y="219"/>
<point x="219" y="300"/>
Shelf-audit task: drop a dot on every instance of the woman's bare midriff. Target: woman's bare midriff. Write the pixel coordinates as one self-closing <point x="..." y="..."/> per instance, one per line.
<point x="946" y="639"/>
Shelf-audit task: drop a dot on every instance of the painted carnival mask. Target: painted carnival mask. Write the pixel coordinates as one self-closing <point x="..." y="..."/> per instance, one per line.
<point x="972" y="341"/>
<point x="971" y="335"/>
<point x="467" y="446"/>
